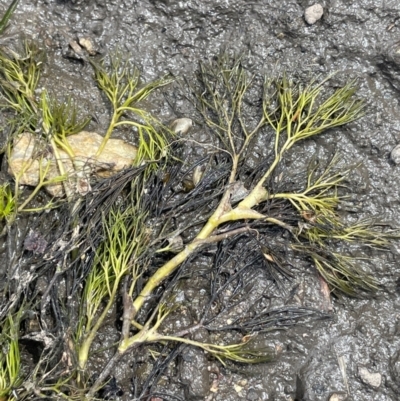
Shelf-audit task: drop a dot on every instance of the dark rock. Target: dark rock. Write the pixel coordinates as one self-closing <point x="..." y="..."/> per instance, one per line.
<point x="194" y="374"/>
<point x="389" y="63"/>
<point x="394" y="369"/>
<point x="252" y="395"/>
<point x="319" y="377"/>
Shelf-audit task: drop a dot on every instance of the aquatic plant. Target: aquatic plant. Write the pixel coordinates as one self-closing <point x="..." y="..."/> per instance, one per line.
<point x="20" y="74"/>
<point x="51" y="120"/>
<point x="295" y="113"/>
<point x="119" y="80"/>
<point x="118" y="255"/>
<point x="7" y="203"/>
<point x="10" y="361"/>
<point x="126" y="246"/>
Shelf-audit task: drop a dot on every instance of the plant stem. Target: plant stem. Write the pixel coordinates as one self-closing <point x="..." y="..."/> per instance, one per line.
<point x="7" y="15"/>
<point x="212" y="224"/>
<point x="87" y="342"/>
<point x="161" y="274"/>
<point x="114" y="120"/>
<point x="33" y="194"/>
<point x="61" y="169"/>
<point x="222" y="214"/>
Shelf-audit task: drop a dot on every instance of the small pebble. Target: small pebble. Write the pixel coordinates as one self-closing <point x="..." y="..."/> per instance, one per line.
<point x="238" y="192"/>
<point x="395" y="154"/>
<point x="197" y="174"/>
<point x="87" y="43"/>
<point x="76" y="48"/>
<point x="252" y="395"/>
<point x="313" y="14"/>
<point x="83" y="186"/>
<point x="181" y="126"/>
<point x="373" y="380"/>
<point x="342" y="396"/>
<point x="288" y="389"/>
<point x="237" y="388"/>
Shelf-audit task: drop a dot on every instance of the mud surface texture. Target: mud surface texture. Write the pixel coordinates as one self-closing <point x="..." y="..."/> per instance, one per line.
<point x="359" y="39"/>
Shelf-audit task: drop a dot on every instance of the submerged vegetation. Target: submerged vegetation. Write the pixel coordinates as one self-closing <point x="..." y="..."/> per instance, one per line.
<point x="120" y="253"/>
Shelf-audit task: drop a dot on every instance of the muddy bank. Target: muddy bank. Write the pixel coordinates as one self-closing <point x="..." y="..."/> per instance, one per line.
<point x="359" y="40"/>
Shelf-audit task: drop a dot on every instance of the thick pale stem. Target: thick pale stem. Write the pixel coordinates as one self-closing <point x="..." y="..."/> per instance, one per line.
<point x="240" y="214"/>
<point x="144" y="336"/>
<point x="259" y="193"/>
<point x="161" y="274"/>
<point x="256" y="196"/>
<point x="212" y="224"/>
<point x="38" y="187"/>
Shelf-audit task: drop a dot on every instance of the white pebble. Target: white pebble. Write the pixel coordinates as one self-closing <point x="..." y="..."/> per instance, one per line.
<point x="395" y="154"/>
<point x="338" y="397"/>
<point x="313" y="14"/>
<point x="373" y="380"/>
<point x="181" y="125"/>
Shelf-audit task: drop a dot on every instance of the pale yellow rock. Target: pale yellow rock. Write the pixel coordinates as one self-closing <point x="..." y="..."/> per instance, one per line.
<point x="29" y="153"/>
<point x="87" y="43"/>
<point x="237" y="388"/>
<point x="21" y="164"/>
<point x="338" y="397"/>
<point x="116" y="155"/>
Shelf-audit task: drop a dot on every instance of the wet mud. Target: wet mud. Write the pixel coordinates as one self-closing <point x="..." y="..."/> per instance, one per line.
<point x="358" y="39"/>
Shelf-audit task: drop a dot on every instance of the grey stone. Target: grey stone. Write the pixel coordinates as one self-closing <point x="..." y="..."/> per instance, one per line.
<point x="181" y="126"/>
<point x="320" y="377"/>
<point x="194" y="373"/>
<point x="395" y="154"/>
<point x="373" y="380"/>
<point x="252" y="395"/>
<point x="394" y="369"/>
